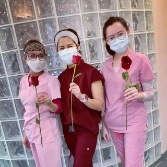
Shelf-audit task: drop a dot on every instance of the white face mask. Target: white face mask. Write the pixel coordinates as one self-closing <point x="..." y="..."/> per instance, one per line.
<point x="66" y="55"/>
<point x="119" y="45"/>
<point x="36" y="65"/>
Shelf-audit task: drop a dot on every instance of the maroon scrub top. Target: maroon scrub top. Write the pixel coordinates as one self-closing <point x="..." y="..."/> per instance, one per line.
<point x="82" y="115"/>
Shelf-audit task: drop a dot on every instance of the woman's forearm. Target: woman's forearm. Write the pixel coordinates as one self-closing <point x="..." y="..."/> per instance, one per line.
<point x="94" y="104"/>
<point x="53" y="107"/>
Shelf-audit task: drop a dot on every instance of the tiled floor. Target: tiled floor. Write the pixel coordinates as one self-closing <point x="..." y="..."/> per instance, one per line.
<point x="162" y="161"/>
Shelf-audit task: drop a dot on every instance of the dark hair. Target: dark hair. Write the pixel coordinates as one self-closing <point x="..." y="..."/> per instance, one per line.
<point x="110" y="22"/>
<point x="71" y="30"/>
<point x="31" y="41"/>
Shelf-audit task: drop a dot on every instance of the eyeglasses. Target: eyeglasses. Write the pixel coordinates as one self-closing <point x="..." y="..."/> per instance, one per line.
<point x="120" y="35"/>
<point x="33" y="56"/>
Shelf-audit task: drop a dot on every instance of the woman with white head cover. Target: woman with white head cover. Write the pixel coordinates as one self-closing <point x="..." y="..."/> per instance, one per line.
<point x="80" y="126"/>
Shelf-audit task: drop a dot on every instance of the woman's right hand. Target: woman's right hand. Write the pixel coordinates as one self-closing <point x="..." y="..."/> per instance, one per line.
<point x="26" y="141"/>
<point x="106" y="134"/>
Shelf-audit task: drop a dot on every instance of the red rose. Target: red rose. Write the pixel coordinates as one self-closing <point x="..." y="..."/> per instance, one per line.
<point x="76" y="59"/>
<point x="34" y="80"/>
<point x="126" y="62"/>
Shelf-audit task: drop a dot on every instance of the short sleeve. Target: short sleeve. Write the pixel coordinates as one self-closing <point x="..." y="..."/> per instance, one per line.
<point x="54" y="88"/>
<point x="146" y="72"/>
<point x="96" y="76"/>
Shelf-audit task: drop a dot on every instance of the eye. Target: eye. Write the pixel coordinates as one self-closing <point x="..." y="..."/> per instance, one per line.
<point x="111" y="38"/>
<point x="121" y="34"/>
<point x="61" y="48"/>
<point x="42" y="55"/>
<point x="32" y="56"/>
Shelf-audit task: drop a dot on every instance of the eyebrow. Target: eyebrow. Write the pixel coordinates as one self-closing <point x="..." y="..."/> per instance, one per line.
<point x="36" y="54"/>
<point x="117" y="33"/>
<point x="70" y="44"/>
<point x="67" y="45"/>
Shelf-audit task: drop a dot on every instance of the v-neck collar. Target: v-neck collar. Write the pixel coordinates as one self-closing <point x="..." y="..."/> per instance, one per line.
<point x="28" y="76"/>
<point x="110" y="67"/>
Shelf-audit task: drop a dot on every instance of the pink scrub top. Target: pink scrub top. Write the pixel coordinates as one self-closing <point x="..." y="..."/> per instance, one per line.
<point x="115" y="111"/>
<point x="50" y="131"/>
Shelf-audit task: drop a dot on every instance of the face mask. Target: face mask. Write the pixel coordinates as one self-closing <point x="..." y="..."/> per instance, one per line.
<point x="36" y="65"/>
<point x="119" y="45"/>
<point x="66" y="55"/>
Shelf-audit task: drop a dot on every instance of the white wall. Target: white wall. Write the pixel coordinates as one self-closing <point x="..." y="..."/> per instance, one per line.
<point x="160" y="27"/>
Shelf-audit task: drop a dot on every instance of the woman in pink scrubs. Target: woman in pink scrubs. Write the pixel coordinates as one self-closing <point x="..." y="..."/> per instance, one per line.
<point x="130" y="141"/>
<point x="49" y="152"/>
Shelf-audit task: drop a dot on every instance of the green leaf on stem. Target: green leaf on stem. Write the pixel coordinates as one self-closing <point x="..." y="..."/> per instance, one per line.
<point x="136" y="86"/>
<point x="125" y="76"/>
<point x="37" y="105"/>
<point x="78" y="75"/>
<point x="37" y="121"/>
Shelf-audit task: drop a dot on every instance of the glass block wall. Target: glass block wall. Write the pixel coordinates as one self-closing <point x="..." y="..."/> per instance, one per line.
<point x="21" y="20"/>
